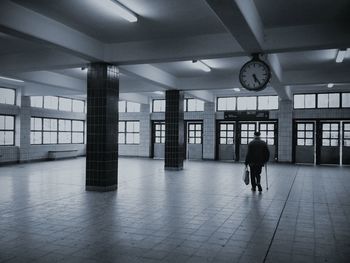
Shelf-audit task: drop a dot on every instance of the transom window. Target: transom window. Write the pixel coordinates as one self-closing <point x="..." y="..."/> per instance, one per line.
<point x="129" y="132"/>
<point x="305" y="134"/>
<point x="226" y="133"/>
<point x="7" y="96"/>
<point x="158" y="105"/>
<point x="159" y="132"/>
<point x="57" y="103"/>
<point x="328" y="100"/>
<point x="346" y="135"/>
<point x="247" y="103"/>
<point x="305" y="101"/>
<point x="330" y="134"/>
<point x="346" y="100"/>
<point x="226" y="104"/>
<point x="195" y="133"/>
<point x="7" y="130"/>
<point x="128" y="106"/>
<point x="193" y="105"/>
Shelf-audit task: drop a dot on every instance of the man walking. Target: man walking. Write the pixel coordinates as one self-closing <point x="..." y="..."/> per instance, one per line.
<point x="257" y="156"/>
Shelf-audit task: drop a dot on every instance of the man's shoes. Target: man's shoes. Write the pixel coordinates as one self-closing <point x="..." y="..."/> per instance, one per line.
<point x="259" y="187"/>
<point x="253" y="189"/>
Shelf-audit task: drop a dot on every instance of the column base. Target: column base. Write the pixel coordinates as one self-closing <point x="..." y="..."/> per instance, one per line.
<point x="101" y="188"/>
<point x="173" y="168"/>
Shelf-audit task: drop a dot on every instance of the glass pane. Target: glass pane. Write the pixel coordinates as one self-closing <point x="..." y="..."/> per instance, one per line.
<point x="347" y="143"/>
<point x="36" y="101"/>
<point x="244" y="134"/>
<point x="78" y="106"/>
<point x="347" y="126"/>
<point x="35" y="137"/>
<point x="158" y="105"/>
<point x="326" y="126"/>
<point x="9" y="123"/>
<point x="263" y="102"/>
<point x="191" y="134"/>
<point x="129" y="138"/>
<point x="300" y="142"/>
<point x="229" y="140"/>
<point x="299" y="101"/>
<point x="262" y="126"/>
<point x="121" y="138"/>
<point x="136" y="138"/>
<point x="121" y="126"/>
<point x="199" y="105"/>
<point x="64" y="137"/>
<point x="244" y="141"/>
<point x="301" y="126"/>
<point x="47" y="125"/>
<point x="244" y="126"/>
<point x="9" y="138"/>
<point x="78" y="137"/>
<point x="309" y="142"/>
<point x="322" y="100"/>
<point x="334" y="126"/>
<point x="2" y="122"/>
<point x="246" y="103"/>
<point x="198" y="140"/>
<point x="198" y="134"/>
<point x="334" y="142"/>
<point x="310" y="101"/>
<point x="191" y="106"/>
<point x="51" y="102"/>
<point x="198" y="127"/>
<point x="347" y="135"/>
<point x="7" y="96"/>
<point x="222" y="140"/>
<point x="300" y="134"/>
<point x="346" y="100"/>
<point x="129" y="126"/>
<point x="191" y="141"/>
<point x="325" y="134"/>
<point x="231" y="103"/>
<point x="38" y="123"/>
<point x="122" y="105"/>
<point x="230" y="134"/>
<point x="78" y="126"/>
<point x="334" y="135"/>
<point x="325" y="142"/>
<point x="133" y="107"/>
<point x="230" y="127"/>
<point x="223" y="126"/>
<point x="334" y="100"/>
<point x="65" y="104"/>
<point x="252" y="127"/>
<point x="309" y="135"/>
<point x="136" y="126"/>
<point x="221" y="104"/>
<point x="309" y="127"/>
<point x="270" y="141"/>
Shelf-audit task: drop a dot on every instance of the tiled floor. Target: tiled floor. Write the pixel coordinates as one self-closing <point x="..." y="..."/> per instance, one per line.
<point x="202" y="214"/>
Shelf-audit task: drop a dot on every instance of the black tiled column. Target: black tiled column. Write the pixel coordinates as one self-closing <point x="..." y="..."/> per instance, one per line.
<point x="174" y="130"/>
<point x="102" y="127"/>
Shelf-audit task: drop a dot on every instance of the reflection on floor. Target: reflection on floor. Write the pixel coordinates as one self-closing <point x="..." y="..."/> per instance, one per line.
<point x="202" y="214"/>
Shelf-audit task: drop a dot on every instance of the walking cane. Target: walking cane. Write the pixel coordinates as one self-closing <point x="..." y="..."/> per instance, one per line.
<point x="267" y="183"/>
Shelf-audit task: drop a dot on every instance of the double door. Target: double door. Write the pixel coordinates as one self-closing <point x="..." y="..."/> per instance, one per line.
<point x="234" y="137"/>
<point x="322" y="142"/>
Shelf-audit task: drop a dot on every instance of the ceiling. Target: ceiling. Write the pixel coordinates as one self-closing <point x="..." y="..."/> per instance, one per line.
<point x="46" y="43"/>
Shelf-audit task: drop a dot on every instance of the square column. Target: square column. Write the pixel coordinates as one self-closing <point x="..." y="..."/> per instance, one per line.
<point x="102" y="127"/>
<point x="174" y="130"/>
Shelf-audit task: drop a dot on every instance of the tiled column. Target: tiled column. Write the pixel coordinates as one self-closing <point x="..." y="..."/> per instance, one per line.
<point x="24" y="129"/>
<point x="285" y="131"/>
<point x="102" y="127"/>
<point x="209" y="131"/>
<point x="174" y="130"/>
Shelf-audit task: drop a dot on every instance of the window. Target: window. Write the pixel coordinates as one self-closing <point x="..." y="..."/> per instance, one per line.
<point x="305" y="134"/>
<point x="267" y="132"/>
<point x="53" y="131"/>
<point x="328" y="100"/>
<point x="7" y="130"/>
<point x="226" y="104"/>
<point x="78" y="106"/>
<point x="305" y="101"/>
<point x="346" y="100"/>
<point x="129" y="132"/>
<point x="247" y="132"/>
<point x="158" y="106"/>
<point x="330" y="134"/>
<point x="51" y="102"/>
<point x="226" y="133"/>
<point x="193" y="105"/>
<point x="49" y="131"/>
<point x="36" y="101"/>
<point x="127" y="106"/>
<point x="246" y="103"/>
<point x="194" y="133"/>
<point x="268" y="103"/>
<point x="36" y="130"/>
<point x="77" y="131"/>
<point x="65" y="104"/>
<point x="7" y="96"/>
<point x="159" y="129"/>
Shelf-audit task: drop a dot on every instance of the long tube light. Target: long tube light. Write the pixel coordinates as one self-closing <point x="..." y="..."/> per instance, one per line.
<point x="201" y="65"/>
<point x="125" y="12"/>
<point x="330" y="85"/>
<point x="340" y="55"/>
<point x="10" y="79"/>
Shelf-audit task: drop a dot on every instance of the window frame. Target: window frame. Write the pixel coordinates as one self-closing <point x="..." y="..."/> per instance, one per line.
<point x="186" y="105"/>
<point x="161" y="137"/>
<point x="14" y="96"/>
<point x="158" y="100"/>
<point x="125" y="132"/>
<point x="328" y="93"/>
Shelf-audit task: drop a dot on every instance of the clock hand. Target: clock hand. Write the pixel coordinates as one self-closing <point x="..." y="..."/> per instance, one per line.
<point x="256" y="79"/>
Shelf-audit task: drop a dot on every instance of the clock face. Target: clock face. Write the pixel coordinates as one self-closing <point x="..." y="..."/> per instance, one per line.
<point x="255" y="75"/>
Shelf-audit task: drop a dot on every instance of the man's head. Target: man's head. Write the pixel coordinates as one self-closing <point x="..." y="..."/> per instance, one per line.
<point x="257" y="134"/>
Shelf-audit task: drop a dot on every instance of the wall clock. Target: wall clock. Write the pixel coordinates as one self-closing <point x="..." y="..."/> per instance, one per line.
<point x="255" y="74"/>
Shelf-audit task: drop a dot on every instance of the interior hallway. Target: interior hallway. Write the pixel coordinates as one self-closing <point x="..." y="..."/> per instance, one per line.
<point x="204" y="213"/>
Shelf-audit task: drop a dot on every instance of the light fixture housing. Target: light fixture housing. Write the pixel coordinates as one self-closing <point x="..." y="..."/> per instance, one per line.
<point x="201" y="65"/>
<point x="340" y="55"/>
<point x="330" y="85"/>
<point x="11" y="79"/>
<point x="125" y="12"/>
<point x="237" y="89"/>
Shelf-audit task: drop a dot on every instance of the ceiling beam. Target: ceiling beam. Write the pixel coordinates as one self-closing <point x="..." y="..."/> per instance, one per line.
<point x="134" y="97"/>
<point x="21" y="22"/>
<point x="45" y="59"/>
<point x="202" y="95"/>
<point x="150" y="74"/>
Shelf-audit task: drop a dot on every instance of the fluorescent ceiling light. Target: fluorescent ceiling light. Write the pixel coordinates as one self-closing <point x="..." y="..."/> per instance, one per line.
<point x="237" y="89"/>
<point x="158" y="92"/>
<point x="340" y="55"/>
<point x="330" y="85"/>
<point x="201" y="65"/>
<point x="125" y="12"/>
<point x="10" y="79"/>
